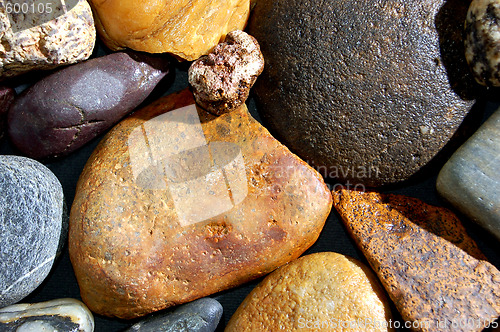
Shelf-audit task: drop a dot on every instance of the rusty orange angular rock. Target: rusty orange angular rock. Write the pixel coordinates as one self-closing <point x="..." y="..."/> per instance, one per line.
<point x="154" y="225"/>
<point x="434" y="273"/>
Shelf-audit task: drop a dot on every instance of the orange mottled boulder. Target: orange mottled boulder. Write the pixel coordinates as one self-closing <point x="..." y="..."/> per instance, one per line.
<point x="177" y="204"/>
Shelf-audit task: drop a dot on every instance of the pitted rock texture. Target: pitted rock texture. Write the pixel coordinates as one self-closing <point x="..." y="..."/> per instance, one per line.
<point x="176" y="204"/>
<point x="65" y="315"/>
<point x="470" y="180"/>
<point x="313" y="290"/>
<point x="66" y="39"/>
<point x="202" y="315"/>
<point x="67" y="109"/>
<point x="222" y="80"/>
<point x="431" y="269"/>
<point x="367" y="91"/>
<point x="187" y="29"/>
<point x="32" y="229"/>
<point x="482" y="41"/>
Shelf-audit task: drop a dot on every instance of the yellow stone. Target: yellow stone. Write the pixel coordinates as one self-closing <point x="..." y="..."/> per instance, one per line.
<point x="185" y="28"/>
<point x="319" y="292"/>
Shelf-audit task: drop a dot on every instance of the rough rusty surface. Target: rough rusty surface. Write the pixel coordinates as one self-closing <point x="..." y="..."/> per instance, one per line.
<point x="482" y="41"/>
<point x="370" y="91"/>
<point x="129" y="251"/>
<point x="323" y="288"/>
<point x="65" y="110"/>
<point x="424" y="259"/>
<point x="222" y="80"/>
<point x="66" y="39"/>
<point x="187" y="30"/>
<point x="6" y="98"/>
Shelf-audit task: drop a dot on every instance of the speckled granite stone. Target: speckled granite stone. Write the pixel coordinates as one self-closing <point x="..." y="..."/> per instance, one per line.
<point x="63" y="35"/>
<point x="470" y="180"/>
<point x="424" y="259"/>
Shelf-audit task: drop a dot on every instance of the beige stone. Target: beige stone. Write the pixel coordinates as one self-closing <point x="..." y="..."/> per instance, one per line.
<point x="187" y="29"/>
<point x="318" y="292"/>
<point x="65" y="39"/>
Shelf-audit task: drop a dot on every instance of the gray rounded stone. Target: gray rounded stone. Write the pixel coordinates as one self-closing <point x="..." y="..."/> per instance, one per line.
<point x="470" y="180"/>
<point x="202" y="315"/>
<point x="32" y="226"/>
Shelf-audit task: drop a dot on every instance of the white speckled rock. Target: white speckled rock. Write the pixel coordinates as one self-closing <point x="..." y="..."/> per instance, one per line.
<point x="482" y="42"/>
<point x="470" y="180"/>
<point x="62" y="315"/>
<point x="56" y="40"/>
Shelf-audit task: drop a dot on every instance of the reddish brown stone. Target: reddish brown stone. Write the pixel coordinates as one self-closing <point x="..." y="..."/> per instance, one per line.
<point x="424" y="259"/>
<point x="133" y="251"/>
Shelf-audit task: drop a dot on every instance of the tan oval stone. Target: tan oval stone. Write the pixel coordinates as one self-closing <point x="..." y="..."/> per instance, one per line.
<point x="153" y="225"/>
<point x="318" y="292"/>
<point x="188" y="29"/>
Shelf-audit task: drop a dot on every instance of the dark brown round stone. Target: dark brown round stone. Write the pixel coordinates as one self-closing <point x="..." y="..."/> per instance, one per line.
<point x="367" y="91"/>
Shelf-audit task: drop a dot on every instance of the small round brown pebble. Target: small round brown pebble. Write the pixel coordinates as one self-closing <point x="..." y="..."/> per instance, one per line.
<point x="221" y="81"/>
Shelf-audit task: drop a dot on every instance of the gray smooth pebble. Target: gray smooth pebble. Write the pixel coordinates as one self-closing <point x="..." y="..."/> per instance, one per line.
<point x="202" y="315"/>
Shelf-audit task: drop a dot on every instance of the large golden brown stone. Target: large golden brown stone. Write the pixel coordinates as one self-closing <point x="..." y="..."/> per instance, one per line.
<point x="174" y="205"/>
<point x="432" y="270"/>
<point x="188" y="29"/>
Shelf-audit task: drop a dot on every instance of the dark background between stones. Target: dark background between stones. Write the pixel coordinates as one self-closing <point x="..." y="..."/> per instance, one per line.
<point x="61" y="282"/>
